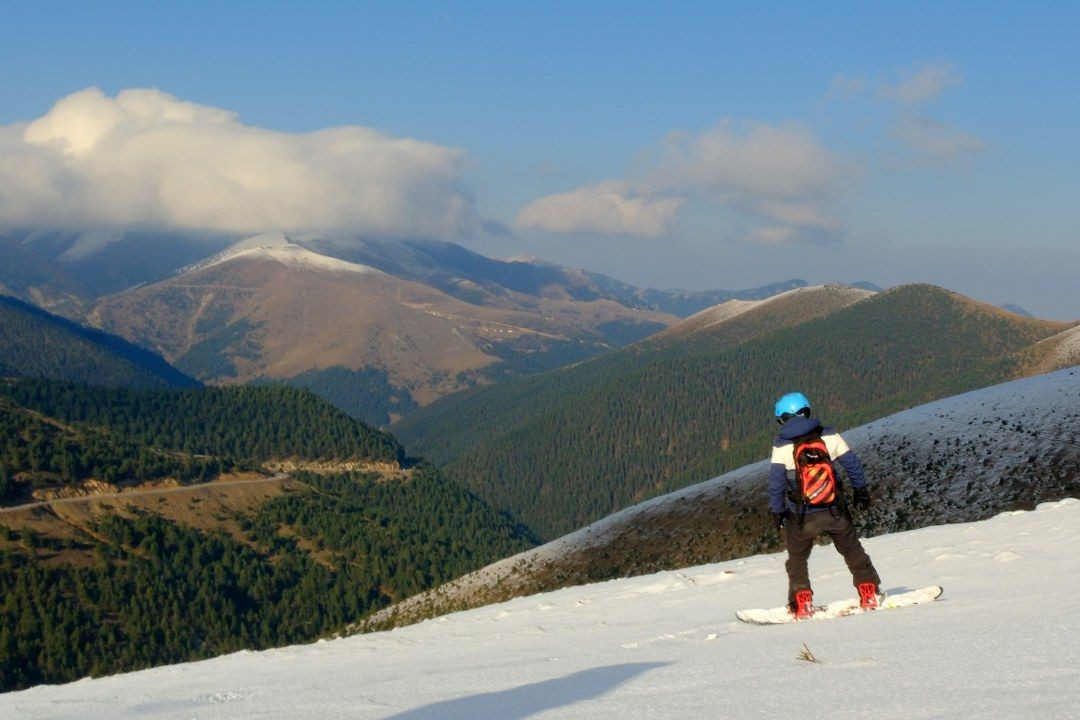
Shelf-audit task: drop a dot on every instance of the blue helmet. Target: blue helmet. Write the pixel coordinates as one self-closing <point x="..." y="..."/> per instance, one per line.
<point x="793" y="403"/>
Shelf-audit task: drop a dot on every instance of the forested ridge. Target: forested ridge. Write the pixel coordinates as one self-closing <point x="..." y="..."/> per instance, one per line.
<point x="132" y="590"/>
<point x="561" y="449"/>
<point x="37" y="453"/>
<point x="365" y="394"/>
<point x="251" y="423"/>
<point x="36" y="343"/>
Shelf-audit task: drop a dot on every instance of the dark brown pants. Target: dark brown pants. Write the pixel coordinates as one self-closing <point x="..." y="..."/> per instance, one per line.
<point x="800" y="540"/>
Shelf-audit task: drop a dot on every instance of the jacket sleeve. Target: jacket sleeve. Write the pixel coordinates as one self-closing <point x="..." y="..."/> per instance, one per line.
<point x="777" y="488"/>
<point x="853" y="466"/>
<point x="778" y="477"/>
<point x="844" y="455"/>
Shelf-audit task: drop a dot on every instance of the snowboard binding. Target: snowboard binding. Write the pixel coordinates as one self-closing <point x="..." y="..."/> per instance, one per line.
<point x="868" y="595"/>
<point x="802" y="606"/>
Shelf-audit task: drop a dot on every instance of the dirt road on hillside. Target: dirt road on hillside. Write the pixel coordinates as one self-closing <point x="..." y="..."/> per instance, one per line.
<point x="135" y="493"/>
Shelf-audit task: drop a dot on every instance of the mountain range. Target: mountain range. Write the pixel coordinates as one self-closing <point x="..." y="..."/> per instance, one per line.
<point x="379" y="327"/>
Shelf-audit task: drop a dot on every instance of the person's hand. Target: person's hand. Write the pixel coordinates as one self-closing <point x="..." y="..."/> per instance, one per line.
<point x="860" y="497"/>
<point x="778" y="519"/>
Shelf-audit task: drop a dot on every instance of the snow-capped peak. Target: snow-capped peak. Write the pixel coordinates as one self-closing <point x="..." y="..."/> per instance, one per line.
<point x="279" y="247"/>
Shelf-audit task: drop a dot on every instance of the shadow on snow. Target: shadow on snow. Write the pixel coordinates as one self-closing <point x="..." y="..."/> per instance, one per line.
<point x="526" y="700"/>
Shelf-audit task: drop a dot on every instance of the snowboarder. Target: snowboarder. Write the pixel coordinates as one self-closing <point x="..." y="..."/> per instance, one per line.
<point x="806" y="497"/>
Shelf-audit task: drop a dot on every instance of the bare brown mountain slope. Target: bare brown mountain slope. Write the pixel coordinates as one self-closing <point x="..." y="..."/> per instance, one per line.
<point x="277" y="311"/>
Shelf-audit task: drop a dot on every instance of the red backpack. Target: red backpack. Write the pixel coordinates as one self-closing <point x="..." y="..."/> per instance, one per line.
<point x="815" y="478"/>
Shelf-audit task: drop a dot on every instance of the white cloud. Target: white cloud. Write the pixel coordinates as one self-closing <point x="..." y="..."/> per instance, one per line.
<point x="934" y="140"/>
<point x="922" y="84"/>
<point x="929" y="140"/>
<point x="779" y="177"/>
<point x="146" y="158"/>
<point x="752" y="160"/>
<point x="607" y="208"/>
<point x="845" y="86"/>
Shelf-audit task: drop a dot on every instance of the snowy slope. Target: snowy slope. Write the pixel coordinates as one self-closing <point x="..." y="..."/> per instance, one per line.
<point x="1001" y="643"/>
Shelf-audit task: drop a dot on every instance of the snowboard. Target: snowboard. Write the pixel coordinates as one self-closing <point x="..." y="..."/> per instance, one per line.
<point x="840" y="608"/>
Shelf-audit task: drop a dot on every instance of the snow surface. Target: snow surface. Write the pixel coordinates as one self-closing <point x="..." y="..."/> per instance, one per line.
<point x="1001" y="643"/>
<point x="280" y="248"/>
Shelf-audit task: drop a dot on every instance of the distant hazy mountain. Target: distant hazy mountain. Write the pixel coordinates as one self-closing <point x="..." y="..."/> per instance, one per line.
<point x="560" y="449"/>
<point x="36" y="278"/>
<point x="1016" y="310"/>
<point x="477" y="279"/>
<point x="105" y="261"/>
<point x="863" y="285"/>
<point x="36" y="343"/>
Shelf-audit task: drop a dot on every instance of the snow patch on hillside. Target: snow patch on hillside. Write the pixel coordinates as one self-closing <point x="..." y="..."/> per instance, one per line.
<point x="999" y="644"/>
<point x="89" y="242"/>
<point x="279" y="247"/>
<point x="1066" y="347"/>
<point x="733" y="308"/>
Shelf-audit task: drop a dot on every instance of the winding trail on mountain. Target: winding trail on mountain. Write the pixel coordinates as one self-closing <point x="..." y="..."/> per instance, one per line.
<point x="279" y="477"/>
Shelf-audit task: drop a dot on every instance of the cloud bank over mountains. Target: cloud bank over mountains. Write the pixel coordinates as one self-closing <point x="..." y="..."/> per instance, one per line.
<point x="146" y="158"/>
<point x="781" y="182"/>
<point x="779" y="177"/>
<point x="607" y="208"/>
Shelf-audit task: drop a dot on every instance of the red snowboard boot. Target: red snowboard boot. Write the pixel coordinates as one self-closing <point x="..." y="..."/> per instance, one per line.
<point x="802" y="606"/>
<point x="868" y="595"/>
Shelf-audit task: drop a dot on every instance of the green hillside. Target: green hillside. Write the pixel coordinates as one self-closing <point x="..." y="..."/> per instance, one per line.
<point x="165" y="574"/>
<point x="365" y="394"/>
<point x="130" y="589"/>
<point x="564" y="448"/>
<point x="39" y="453"/>
<point x="54" y="435"/>
<point x="243" y="423"/>
<point x="35" y="343"/>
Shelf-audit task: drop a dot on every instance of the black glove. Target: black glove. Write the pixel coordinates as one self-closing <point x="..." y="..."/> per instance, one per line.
<point x="860" y="498"/>
<point x="778" y="519"/>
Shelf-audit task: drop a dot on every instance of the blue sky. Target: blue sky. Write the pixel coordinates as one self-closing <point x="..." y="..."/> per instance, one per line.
<point x="675" y="144"/>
